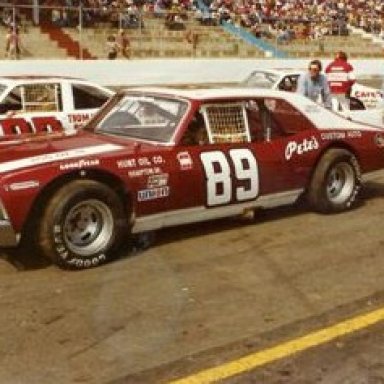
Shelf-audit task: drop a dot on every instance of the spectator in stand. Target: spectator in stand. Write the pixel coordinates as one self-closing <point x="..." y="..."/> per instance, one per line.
<point x="124" y="43"/>
<point x="314" y="85"/>
<point x="192" y="38"/>
<point x="112" y="47"/>
<point x="341" y="77"/>
<point x="12" y="43"/>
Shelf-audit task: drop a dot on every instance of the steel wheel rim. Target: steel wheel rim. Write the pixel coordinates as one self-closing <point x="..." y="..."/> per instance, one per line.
<point x="88" y="227"/>
<point x="340" y="183"/>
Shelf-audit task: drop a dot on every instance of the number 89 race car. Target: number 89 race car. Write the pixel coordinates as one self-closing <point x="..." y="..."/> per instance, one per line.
<point x="37" y="104"/>
<point x="154" y="157"/>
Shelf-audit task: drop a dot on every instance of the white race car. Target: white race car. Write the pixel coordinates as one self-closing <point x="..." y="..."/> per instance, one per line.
<point x="34" y="104"/>
<point x="366" y="103"/>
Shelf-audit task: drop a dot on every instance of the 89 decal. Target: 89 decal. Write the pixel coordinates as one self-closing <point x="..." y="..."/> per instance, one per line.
<point x="223" y="185"/>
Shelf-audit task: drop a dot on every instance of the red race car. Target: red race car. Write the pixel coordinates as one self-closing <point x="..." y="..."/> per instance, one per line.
<point x="153" y="158"/>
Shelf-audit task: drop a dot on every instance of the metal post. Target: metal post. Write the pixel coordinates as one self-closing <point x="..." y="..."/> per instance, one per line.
<point x="36" y="12"/>
<point x="14" y="18"/>
<point x="80" y="31"/>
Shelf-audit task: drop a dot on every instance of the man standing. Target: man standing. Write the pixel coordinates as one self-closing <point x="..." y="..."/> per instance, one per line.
<point x="340" y="77"/>
<point x="314" y="85"/>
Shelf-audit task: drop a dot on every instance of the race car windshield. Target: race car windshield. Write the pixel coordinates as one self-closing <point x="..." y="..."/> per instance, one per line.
<point x="147" y="118"/>
<point x="260" y="79"/>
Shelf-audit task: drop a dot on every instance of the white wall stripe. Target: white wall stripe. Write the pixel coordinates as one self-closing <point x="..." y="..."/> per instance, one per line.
<point x="57" y="156"/>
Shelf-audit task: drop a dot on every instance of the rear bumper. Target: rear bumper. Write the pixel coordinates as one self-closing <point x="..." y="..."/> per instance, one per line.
<point x="8" y="237"/>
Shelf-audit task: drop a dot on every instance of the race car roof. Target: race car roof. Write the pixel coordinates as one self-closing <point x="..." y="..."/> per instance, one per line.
<point x="214" y="93"/>
<point x="38" y="79"/>
<point x="321" y="117"/>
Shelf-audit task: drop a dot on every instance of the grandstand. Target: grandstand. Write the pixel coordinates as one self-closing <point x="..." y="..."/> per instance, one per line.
<point x="209" y="29"/>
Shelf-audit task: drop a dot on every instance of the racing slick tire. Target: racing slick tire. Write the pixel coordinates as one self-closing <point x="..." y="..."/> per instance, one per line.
<point x="82" y="225"/>
<point x="335" y="182"/>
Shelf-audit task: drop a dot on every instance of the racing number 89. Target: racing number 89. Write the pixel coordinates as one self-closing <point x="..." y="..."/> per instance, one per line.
<point x="221" y="185"/>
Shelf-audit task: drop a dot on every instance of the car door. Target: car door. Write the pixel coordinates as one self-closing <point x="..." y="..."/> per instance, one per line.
<point x="33" y="107"/>
<point x="233" y="163"/>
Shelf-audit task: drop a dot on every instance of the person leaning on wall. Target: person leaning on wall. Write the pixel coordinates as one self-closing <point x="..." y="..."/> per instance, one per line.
<point x="314" y="85"/>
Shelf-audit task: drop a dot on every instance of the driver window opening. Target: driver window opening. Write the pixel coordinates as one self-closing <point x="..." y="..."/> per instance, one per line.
<point x="196" y="133"/>
<point x="273" y="118"/>
<point x="289" y="84"/>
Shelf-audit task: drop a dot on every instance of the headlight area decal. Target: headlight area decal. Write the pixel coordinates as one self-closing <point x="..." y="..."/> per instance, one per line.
<point x="379" y="140"/>
<point x="22" y="185"/>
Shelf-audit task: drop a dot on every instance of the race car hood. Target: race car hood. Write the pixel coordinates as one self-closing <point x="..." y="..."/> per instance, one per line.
<point x="23" y="153"/>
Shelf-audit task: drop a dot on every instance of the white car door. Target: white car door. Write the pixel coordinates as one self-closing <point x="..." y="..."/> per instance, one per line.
<point x="32" y="108"/>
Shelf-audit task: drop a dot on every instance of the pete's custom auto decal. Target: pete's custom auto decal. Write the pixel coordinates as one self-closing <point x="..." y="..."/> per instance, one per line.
<point x="306" y="145"/>
<point x="340" y="135"/>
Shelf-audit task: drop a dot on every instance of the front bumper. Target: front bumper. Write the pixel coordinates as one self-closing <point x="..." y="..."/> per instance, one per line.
<point x="8" y="237"/>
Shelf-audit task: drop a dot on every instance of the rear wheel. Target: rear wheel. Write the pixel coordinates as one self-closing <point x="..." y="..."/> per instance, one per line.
<point x="336" y="182"/>
<point x="82" y="225"/>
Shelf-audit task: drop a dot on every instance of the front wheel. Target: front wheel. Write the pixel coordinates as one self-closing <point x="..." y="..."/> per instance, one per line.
<point x="82" y="225"/>
<point x="336" y="182"/>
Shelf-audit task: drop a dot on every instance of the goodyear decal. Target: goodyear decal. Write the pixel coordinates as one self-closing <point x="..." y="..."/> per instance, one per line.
<point x="57" y="156"/>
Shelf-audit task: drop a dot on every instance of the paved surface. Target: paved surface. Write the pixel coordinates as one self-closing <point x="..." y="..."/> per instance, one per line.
<point x="200" y="296"/>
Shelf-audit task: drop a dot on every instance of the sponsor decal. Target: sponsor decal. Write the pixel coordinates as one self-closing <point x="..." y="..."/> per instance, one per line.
<point x="379" y="140"/>
<point x="144" y="172"/>
<point x="126" y="163"/>
<point x="307" y="145"/>
<point x="333" y="135"/>
<point x="79" y="119"/>
<point x="57" y="156"/>
<point x="153" y="193"/>
<point x="24" y="185"/>
<point x="156" y="181"/>
<point x="354" y="134"/>
<point x="80" y="164"/>
<point x="341" y="135"/>
<point x="140" y="162"/>
<point x="368" y="94"/>
<point x="185" y="160"/>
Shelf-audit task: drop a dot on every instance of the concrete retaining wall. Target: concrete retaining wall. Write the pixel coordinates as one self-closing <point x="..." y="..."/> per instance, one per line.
<point x="162" y="71"/>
